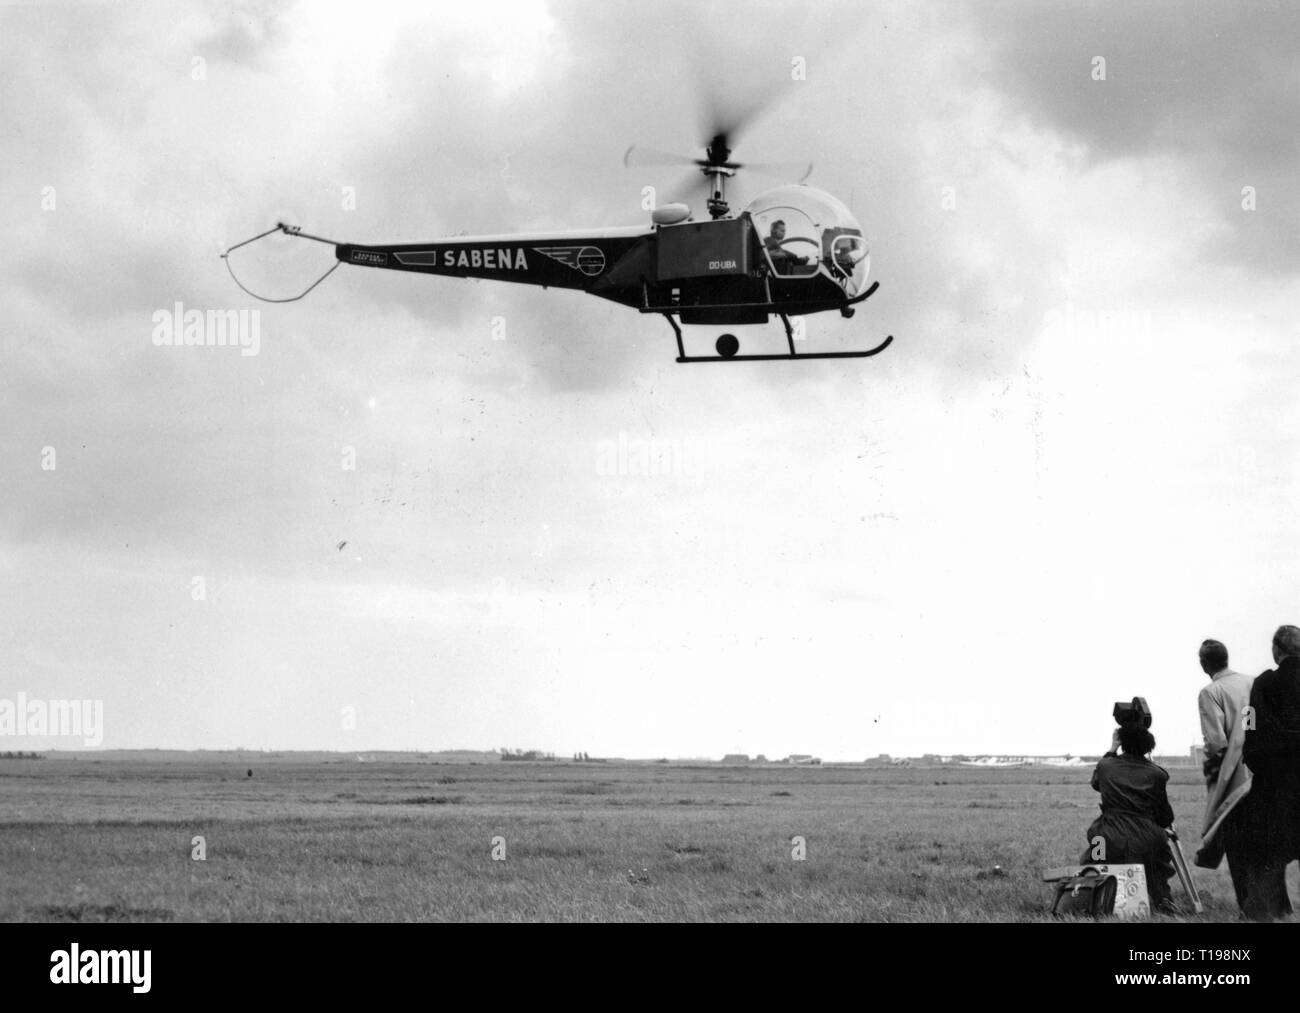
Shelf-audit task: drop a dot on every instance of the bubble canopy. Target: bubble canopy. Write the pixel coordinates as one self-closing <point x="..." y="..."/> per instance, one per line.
<point x="807" y="232"/>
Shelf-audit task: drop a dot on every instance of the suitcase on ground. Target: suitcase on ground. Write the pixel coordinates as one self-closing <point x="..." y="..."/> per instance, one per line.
<point x="1091" y="894"/>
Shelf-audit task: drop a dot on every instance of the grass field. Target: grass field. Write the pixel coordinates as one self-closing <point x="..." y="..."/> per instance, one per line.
<point x="105" y="840"/>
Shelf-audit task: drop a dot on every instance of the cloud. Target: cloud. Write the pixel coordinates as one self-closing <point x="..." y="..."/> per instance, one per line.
<point x="1084" y="392"/>
<point x="248" y="33"/>
<point x="1212" y="86"/>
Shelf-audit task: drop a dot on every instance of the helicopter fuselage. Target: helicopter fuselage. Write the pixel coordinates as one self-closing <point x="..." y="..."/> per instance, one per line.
<point x="712" y="272"/>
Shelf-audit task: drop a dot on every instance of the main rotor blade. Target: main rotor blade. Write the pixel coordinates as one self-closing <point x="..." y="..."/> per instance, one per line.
<point x="689" y="190"/>
<point x="732" y="101"/>
<point x="797" y="171"/>
<point x="639" y="156"/>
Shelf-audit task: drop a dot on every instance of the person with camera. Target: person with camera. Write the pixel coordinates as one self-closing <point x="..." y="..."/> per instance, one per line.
<point x="1135" y="811"/>
<point x="1272" y="752"/>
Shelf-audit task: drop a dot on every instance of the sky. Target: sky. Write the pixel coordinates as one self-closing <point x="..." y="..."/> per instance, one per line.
<point x="417" y="517"/>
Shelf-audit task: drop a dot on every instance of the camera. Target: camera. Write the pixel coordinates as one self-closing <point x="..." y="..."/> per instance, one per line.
<point x="1135" y="712"/>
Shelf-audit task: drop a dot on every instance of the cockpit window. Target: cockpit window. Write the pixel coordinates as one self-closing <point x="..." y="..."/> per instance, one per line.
<point x="808" y="233"/>
<point x="846" y="253"/>
<point x="791" y="241"/>
<point x="848" y="250"/>
<point x="847" y="258"/>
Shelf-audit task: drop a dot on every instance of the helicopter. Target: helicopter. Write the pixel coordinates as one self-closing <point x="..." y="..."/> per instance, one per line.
<point x="792" y="251"/>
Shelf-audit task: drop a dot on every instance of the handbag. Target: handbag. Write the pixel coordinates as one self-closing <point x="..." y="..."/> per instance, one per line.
<point x="1088" y="895"/>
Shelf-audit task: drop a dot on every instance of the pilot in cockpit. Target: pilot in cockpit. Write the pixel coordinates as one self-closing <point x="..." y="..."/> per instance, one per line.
<point x="783" y="261"/>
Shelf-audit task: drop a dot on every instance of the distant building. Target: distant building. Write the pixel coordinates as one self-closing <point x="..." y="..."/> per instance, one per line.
<point x="760" y="758"/>
<point x="1198" y="756"/>
<point x="735" y="758"/>
<point x="803" y="758"/>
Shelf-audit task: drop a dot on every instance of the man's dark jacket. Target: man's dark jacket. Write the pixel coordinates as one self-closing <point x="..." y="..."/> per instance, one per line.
<point x="1272" y="752"/>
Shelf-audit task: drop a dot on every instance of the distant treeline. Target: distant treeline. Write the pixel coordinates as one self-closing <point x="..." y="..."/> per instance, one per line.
<point x="21" y="756"/>
<point x="526" y="754"/>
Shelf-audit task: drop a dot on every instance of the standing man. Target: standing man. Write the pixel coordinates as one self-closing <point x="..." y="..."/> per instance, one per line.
<point x="1226" y="829"/>
<point x="1272" y="753"/>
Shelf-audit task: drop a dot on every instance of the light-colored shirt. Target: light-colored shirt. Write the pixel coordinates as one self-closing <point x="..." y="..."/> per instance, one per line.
<point x="1221" y="704"/>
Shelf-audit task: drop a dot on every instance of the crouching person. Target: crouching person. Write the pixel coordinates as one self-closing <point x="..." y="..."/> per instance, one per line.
<point x="1134" y="813"/>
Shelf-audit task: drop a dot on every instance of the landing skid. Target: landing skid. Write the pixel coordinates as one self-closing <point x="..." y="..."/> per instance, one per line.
<point x="727" y="346"/>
